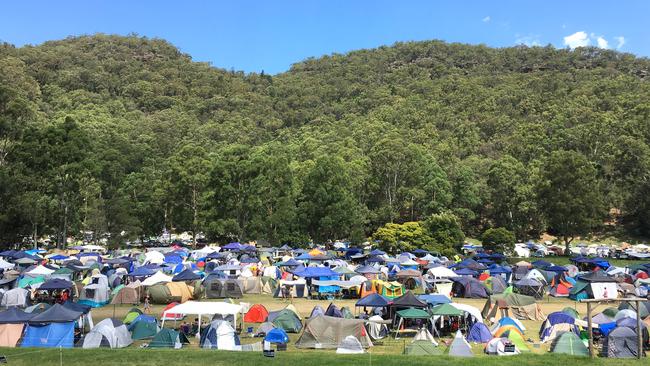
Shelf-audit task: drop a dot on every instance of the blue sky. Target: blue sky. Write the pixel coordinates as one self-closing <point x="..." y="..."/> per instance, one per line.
<point x="271" y="35"/>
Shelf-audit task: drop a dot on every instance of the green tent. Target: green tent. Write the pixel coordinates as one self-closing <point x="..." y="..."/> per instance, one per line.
<point x="412" y="313"/>
<point x="570" y="344"/>
<point x="143" y="330"/>
<point x="518" y="340"/>
<point x="131" y="315"/>
<point x="446" y="310"/>
<point x="422" y="348"/>
<point x="28" y="281"/>
<point x="288" y="321"/>
<point x="63" y="271"/>
<point x="572" y="312"/>
<point x="610" y="312"/>
<point x="166" y="338"/>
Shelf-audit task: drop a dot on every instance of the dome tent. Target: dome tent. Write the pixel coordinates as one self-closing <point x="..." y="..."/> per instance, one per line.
<point x="569" y="343"/>
<point x="479" y="333"/>
<point x="110" y="333"/>
<point x="166" y="338"/>
<point x="350" y="345"/>
<point x="219" y="335"/>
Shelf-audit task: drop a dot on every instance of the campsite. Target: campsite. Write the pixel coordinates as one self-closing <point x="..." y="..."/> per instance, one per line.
<point x="347" y="300"/>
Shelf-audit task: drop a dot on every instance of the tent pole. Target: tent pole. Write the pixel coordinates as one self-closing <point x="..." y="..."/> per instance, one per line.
<point x="639" y="331"/>
<point x="590" y="331"/>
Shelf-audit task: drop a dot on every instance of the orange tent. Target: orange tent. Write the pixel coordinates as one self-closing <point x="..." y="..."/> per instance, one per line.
<point x="256" y="314"/>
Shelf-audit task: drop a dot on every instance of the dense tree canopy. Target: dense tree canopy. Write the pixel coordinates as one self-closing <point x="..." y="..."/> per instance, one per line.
<point x="128" y="136"/>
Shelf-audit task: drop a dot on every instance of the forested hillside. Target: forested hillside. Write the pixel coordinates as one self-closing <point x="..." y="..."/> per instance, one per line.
<point x="127" y="135"/>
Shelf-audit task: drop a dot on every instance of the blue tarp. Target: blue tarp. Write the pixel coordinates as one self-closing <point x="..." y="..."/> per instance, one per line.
<point x="313" y="272"/>
<point x="50" y="335"/>
<point x="142" y="272"/>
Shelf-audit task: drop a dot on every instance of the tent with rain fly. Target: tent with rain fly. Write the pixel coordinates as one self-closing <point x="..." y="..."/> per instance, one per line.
<point x="327" y="332"/>
<point x="216" y="288"/>
<point x="468" y="287"/>
<point x="110" y="333"/>
<point x="621" y="343"/>
<point x="129" y="294"/>
<point x="286" y="320"/>
<point x="530" y="287"/>
<point x="220" y="335"/>
<point x="131" y="315"/>
<point x="376" y="327"/>
<point x="569" y="343"/>
<point x="143" y="327"/>
<point x="166" y="338"/>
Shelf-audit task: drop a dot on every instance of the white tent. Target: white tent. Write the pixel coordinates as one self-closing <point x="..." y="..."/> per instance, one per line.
<point x="376" y="328"/>
<point x="442" y="272"/>
<point x="474" y="312"/>
<point x="220" y="335"/>
<point x="6" y="265"/>
<point x="459" y="346"/>
<point x="497" y="346"/>
<point x="15" y="297"/>
<point x="423" y="334"/>
<point x="40" y="271"/>
<point x="154" y="257"/>
<point x="205" y="308"/>
<point x="350" y="345"/>
<point x="157" y="277"/>
<point x="108" y="333"/>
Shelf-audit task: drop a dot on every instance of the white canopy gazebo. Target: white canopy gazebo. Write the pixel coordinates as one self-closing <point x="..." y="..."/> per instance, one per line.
<point x="205" y="308"/>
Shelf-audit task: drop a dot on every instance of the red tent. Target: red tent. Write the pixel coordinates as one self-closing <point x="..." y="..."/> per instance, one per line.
<point x="256" y="314"/>
<point x="484" y="276"/>
<point x="171" y="316"/>
<point x="641" y="275"/>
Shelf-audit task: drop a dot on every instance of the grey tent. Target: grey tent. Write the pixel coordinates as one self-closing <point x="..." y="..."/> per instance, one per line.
<point x="328" y="332"/>
<point x="15" y="297"/>
<point x="216" y="288"/>
<point x="110" y="333"/>
<point x="621" y="343"/>
<point x="459" y="346"/>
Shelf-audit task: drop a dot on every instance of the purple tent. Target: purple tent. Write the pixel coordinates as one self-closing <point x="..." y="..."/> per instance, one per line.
<point x="479" y="333"/>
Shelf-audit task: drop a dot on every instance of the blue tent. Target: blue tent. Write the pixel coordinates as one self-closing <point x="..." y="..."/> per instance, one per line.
<point x="373" y="252"/>
<point x="75" y="306"/>
<point x="290" y="263"/>
<point x="57" y="313"/>
<point x="558" y="269"/>
<point x="232" y="246"/>
<point x="56" y="284"/>
<point x="57" y="257"/>
<point x="435" y="299"/>
<point x="509" y="321"/>
<point x="541" y="263"/>
<point x="14" y="316"/>
<point x="466" y="272"/>
<point x="479" y="333"/>
<point x="143" y="272"/>
<point x="173" y="258"/>
<point x="186" y="275"/>
<point x="375" y="259"/>
<point x="367" y="270"/>
<point x="333" y="311"/>
<point x="277" y="335"/>
<point x="49" y="335"/>
<point x="373" y="301"/>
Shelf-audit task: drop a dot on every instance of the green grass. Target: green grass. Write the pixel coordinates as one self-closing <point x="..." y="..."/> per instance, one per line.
<point x="126" y="357"/>
<point x="564" y="260"/>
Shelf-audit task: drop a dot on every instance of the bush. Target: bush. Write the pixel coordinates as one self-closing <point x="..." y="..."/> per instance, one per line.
<point x="499" y="240"/>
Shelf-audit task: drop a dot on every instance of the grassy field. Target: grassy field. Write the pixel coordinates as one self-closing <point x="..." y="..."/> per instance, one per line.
<point x="127" y="357"/>
<point x="386" y="352"/>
